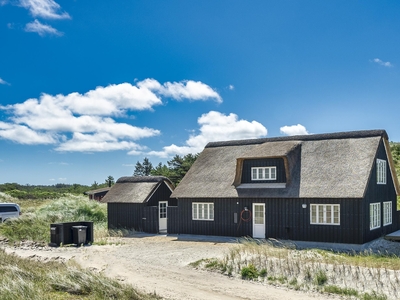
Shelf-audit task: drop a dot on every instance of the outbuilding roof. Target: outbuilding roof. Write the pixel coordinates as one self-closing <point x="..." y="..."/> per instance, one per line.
<point x="101" y="190"/>
<point x="335" y="165"/>
<point x="135" y="189"/>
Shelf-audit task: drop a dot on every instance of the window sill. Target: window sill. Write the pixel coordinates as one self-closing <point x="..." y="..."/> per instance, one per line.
<point x="375" y="228"/>
<point x="325" y="224"/>
<point x="262" y="186"/>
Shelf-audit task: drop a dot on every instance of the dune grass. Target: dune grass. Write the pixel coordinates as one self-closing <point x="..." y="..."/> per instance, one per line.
<point x="37" y="215"/>
<point x="22" y="279"/>
<point x="360" y="275"/>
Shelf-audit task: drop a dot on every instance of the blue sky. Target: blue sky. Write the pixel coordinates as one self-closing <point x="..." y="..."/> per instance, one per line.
<point x="88" y="88"/>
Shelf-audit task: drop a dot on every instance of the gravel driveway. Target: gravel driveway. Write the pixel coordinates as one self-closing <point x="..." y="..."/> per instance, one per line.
<point x="159" y="263"/>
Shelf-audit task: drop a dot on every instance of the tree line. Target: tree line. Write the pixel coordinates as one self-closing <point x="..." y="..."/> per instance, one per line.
<point x="50" y="191"/>
<point x="175" y="168"/>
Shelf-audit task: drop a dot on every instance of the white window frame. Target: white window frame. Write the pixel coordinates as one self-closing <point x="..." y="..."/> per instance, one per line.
<point x="263" y="173"/>
<point x="325" y="214"/>
<point x="203" y="211"/>
<point x="380" y="171"/>
<point x="374" y="215"/>
<point x="387" y="213"/>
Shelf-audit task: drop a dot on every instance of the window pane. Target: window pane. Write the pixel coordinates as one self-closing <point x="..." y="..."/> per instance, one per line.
<point x="320" y="210"/>
<point x="258" y="214"/>
<point x="313" y="214"/>
<point x="254" y="173"/>
<point x="336" y="214"/>
<point x="381" y="171"/>
<point x="267" y="176"/>
<point x="273" y="173"/>
<point x="329" y="214"/>
<point x="260" y="174"/>
<point x="194" y="207"/>
<point x="200" y="211"/>
<point x="375" y="215"/>
<point x="211" y="211"/>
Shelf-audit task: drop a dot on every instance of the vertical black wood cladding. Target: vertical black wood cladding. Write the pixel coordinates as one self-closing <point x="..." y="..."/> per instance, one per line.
<point x="133" y="216"/>
<point x="125" y="215"/>
<point x="270" y="162"/>
<point x="173" y="220"/>
<point x="285" y="219"/>
<point x="162" y="193"/>
<point x="379" y="193"/>
<point x="139" y="216"/>
<point x="150" y="223"/>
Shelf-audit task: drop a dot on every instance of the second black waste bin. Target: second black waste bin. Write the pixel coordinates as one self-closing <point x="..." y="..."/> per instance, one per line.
<point x="79" y="235"/>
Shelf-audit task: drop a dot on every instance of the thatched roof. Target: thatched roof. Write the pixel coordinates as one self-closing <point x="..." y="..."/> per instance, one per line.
<point x="335" y="165"/>
<point x="135" y="189"/>
<point x="101" y="190"/>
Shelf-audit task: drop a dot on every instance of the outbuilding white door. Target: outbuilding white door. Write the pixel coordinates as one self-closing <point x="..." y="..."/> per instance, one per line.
<point x="259" y="220"/>
<point x="162" y="216"/>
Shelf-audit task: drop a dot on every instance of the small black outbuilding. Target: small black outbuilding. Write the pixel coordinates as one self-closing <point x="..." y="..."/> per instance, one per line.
<point x="140" y="203"/>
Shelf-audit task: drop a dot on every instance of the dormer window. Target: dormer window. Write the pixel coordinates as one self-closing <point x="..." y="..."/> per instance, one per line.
<point x="263" y="173"/>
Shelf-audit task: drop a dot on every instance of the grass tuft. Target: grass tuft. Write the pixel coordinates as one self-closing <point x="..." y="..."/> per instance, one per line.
<point x="250" y="272"/>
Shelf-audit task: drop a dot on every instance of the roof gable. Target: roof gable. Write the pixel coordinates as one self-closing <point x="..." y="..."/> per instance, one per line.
<point x="135" y="189"/>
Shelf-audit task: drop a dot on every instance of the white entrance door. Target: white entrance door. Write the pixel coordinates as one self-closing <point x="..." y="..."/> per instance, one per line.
<point x="259" y="220"/>
<point x="162" y="216"/>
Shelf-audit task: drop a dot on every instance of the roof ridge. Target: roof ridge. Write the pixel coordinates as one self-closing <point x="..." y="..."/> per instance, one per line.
<point x="142" y="179"/>
<point x="310" y="137"/>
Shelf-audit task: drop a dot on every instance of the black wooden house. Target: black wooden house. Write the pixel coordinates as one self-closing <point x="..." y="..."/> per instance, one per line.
<point x="338" y="187"/>
<point x="139" y="203"/>
<point x="97" y="194"/>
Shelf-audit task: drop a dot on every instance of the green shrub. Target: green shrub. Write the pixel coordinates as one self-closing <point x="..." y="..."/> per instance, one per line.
<point x="213" y="264"/>
<point x="333" y="289"/>
<point x="263" y="273"/>
<point x="249" y="272"/>
<point x="321" y="278"/>
<point x="373" y="296"/>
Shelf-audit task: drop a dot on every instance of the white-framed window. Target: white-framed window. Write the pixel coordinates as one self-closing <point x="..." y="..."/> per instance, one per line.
<point x="381" y="171"/>
<point x="325" y="214"/>
<point x="387" y="213"/>
<point x="374" y="215"/>
<point x="203" y="211"/>
<point x="263" y="173"/>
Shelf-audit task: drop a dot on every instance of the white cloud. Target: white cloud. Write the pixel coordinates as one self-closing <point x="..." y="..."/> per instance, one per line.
<point x="187" y="89"/>
<point x="231" y="87"/>
<point x="2" y="81"/>
<point x="96" y="143"/>
<point x="46" y="9"/>
<point x="382" y="63"/>
<point x="84" y="122"/>
<point x="215" y="126"/>
<point x="41" y="29"/>
<point x="294" y="130"/>
<point x="24" y="135"/>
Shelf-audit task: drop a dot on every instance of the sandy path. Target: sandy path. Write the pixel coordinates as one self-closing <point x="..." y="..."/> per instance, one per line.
<point x="160" y="264"/>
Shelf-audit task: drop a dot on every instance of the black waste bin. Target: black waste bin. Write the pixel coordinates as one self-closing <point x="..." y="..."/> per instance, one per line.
<point x="54" y="235"/>
<point x="79" y="235"/>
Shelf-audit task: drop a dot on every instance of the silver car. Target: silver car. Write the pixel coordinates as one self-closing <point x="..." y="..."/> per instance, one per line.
<point x="9" y="210"/>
